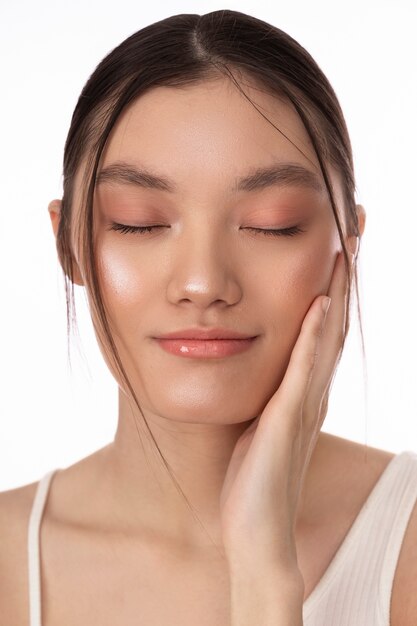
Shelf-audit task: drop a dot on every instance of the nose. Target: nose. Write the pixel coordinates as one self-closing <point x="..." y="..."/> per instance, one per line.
<point x="203" y="272"/>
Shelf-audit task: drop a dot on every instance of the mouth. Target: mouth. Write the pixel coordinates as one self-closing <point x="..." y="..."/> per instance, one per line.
<point x="205" y="348"/>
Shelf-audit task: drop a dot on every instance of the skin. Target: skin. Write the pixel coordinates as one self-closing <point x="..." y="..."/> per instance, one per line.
<point x="202" y="271"/>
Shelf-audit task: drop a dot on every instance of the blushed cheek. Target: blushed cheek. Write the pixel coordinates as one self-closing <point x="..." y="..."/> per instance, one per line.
<point x="293" y="287"/>
<point x="312" y="271"/>
<point x="124" y="282"/>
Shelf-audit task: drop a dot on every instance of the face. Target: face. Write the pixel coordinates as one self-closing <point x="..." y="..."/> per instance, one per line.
<point x="209" y="263"/>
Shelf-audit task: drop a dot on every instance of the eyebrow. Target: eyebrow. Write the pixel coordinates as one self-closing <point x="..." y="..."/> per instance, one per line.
<point x="278" y="174"/>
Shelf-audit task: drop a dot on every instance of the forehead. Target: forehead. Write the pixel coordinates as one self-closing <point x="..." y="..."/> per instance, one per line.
<point x="206" y="136"/>
<point x="205" y="133"/>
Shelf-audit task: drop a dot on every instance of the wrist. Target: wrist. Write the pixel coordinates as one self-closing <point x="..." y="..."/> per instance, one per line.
<point x="266" y="597"/>
<point x="280" y="562"/>
<point x="287" y="580"/>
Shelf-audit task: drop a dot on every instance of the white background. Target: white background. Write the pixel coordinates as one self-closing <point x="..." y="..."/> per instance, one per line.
<point x="51" y="416"/>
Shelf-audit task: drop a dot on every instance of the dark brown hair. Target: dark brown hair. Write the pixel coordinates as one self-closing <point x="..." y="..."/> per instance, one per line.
<point x="180" y="51"/>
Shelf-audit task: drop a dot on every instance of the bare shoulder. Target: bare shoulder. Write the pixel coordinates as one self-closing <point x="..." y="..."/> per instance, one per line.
<point x="15" y="506"/>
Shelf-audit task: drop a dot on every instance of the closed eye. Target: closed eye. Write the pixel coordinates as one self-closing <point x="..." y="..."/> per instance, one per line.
<point x="283" y="232"/>
<point x="274" y="232"/>
<point x="124" y="228"/>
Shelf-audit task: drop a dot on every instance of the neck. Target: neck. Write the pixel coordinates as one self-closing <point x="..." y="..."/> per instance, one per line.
<point x="198" y="454"/>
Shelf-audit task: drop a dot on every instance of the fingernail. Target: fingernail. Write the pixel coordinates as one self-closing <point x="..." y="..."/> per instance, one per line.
<point x="325" y="303"/>
<point x="352" y="259"/>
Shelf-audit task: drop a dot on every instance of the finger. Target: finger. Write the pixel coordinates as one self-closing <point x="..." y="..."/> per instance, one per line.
<point x="330" y="344"/>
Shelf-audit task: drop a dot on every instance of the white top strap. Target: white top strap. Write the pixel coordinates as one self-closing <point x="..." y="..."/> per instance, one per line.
<point x="401" y="496"/>
<point x="356" y="588"/>
<point x="33" y="549"/>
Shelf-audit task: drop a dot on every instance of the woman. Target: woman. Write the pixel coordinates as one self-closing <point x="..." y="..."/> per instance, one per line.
<point x="209" y="212"/>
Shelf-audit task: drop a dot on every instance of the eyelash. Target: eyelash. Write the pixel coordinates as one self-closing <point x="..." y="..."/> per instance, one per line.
<point x="269" y="232"/>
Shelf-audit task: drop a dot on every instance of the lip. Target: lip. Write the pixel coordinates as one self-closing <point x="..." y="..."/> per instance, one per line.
<point x="205" y="333"/>
<point x="205" y="348"/>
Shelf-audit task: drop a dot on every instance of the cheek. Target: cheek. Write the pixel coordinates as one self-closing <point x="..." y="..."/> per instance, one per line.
<point x="288" y="292"/>
<point x="308" y="274"/>
<point x="126" y="284"/>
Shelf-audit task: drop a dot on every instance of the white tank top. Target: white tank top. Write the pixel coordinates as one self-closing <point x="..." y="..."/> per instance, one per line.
<point x="355" y="590"/>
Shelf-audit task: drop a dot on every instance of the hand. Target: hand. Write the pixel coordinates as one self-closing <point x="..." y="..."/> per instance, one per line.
<point x="265" y="475"/>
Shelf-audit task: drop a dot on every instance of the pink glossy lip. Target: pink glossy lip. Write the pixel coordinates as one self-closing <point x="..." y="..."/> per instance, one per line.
<point x="205" y="348"/>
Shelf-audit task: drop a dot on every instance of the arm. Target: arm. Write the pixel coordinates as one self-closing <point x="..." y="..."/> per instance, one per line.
<point x="261" y="596"/>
